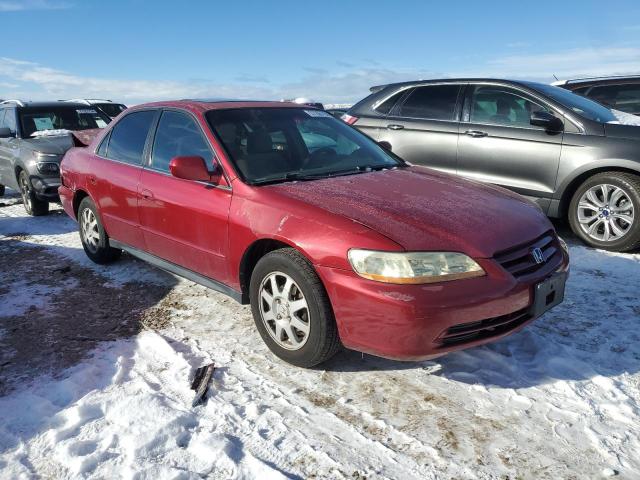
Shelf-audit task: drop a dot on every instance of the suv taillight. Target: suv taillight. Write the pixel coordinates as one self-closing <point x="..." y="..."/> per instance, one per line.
<point x="348" y="119"/>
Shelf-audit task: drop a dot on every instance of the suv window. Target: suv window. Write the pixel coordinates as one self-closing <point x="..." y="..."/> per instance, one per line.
<point x="433" y="102"/>
<point x="501" y="106"/>
<point x="386" y="106"/>
<point x="128" y="137"/>
<point x="621" y="97"/>
<point x="178" y="135"/>
<point x="60" y="117"/>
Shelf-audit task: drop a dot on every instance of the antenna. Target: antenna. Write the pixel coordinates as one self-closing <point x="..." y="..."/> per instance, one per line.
<point x="554" y="76"/>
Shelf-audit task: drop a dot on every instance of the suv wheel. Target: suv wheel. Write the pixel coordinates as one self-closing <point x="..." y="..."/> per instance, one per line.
<point x="95" y="240"/>
<point x="1" y="190"/>
<point x="32" y="204"/>
<point x="291" y="309"/>
<point x="605" y="211"/>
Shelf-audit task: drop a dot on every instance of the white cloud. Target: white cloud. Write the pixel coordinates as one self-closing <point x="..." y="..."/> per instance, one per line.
<point x="567" y="63"/>
<point x="20" y="5"/>
<point x="345" y="84"/>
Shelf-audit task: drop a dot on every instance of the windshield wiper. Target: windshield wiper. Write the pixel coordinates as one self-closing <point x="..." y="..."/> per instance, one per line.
<point x="299" y="176"/>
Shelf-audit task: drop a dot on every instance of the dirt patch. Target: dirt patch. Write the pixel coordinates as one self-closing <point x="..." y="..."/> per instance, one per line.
<point x="69" y="309"/>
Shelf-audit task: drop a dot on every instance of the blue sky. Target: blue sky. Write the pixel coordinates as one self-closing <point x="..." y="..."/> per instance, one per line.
<point x="331" y="51"/>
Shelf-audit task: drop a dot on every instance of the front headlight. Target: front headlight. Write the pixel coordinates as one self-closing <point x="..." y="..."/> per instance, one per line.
<point x="413" y="267"/>
<point x="48" y="167"/>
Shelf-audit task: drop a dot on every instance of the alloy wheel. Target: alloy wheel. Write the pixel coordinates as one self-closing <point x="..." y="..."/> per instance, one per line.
<point x="605" y="213"/>
<point x="284" y="310"/>
<point x="25" y="191"/>
<point x="89" y="230"/>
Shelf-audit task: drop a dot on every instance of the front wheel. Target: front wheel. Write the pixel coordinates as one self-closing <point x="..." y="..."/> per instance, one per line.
<point x="605" y="211"/>
<point x="95" y="240"/>
<point x="291" y="309"/>
<point x="32" y="204"/>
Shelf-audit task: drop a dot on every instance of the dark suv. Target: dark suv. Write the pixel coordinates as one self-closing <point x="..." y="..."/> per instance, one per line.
<point x="33" y="138"/>
<point x="620" y="93"/>
<point x="567" y="153"/>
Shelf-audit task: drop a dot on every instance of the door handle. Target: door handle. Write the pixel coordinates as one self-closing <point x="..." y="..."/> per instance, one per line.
<point x="476" y="133"/>
<point x="395" y="126"/>
<point x="146" y="194"/>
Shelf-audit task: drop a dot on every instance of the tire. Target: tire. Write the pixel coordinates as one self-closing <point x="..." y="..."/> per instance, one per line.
<point x="1" y="190"/>
<point x="307" y="349"/>
<point x="95" y="240"/>
<point x="614" y="218"/>
<point x="32" y="204"/>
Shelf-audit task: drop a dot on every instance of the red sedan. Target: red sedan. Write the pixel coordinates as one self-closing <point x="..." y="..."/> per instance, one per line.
<point x="331" y="238"/>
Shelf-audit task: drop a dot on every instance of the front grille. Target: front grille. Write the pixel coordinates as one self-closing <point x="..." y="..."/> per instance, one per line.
<point x="482" y="329"/>
<point x="520" y="262"/>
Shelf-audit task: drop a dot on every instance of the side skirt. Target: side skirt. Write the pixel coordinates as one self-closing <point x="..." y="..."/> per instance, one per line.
<point x="181" y="271"/>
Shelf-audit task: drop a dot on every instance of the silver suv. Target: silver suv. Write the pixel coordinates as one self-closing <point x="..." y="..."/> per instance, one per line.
<point x="567" y="153"/>
<point x="34" y="136"/>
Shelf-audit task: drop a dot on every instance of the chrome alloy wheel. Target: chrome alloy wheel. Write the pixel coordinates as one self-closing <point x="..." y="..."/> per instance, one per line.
<point x="284" y="310"/>
<point x="605" y="213"/>
<point x="89" y="229"/>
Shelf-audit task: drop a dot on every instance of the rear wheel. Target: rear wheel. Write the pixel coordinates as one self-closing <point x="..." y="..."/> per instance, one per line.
<point x="605" y="211"/>
<point x="291" y="309"/>
<point x="95" y="240"/>
<point x="1" y="190"/>
<point x="32" y="204"/>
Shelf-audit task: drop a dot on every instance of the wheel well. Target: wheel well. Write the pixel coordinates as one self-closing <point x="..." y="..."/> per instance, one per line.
<point x="255" y="252"/>
<point x="77" y="198"/>
<point x="576" y="182"/>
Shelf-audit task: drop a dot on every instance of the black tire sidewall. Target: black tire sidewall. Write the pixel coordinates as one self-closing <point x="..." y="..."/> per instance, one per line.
<point x="321" y="324"/>
<point x="631" y="239"/>
<point x="104" y="253"/>
<point x="38" y="207"/>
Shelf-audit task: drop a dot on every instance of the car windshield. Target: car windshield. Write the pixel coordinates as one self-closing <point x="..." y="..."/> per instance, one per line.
<point x="111" y="109"/>
<point x="576" y="103"/>
<point x="50" y="119"/>
<point x="277" y="144"/>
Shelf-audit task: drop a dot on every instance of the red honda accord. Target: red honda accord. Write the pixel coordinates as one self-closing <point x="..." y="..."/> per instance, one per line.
<point x="331" y="238"/>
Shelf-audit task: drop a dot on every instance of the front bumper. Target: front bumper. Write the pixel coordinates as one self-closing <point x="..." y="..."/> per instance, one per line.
<point x="416" y="322"/>
<point x="66" y="199"/>
<point x="46" y="188"/>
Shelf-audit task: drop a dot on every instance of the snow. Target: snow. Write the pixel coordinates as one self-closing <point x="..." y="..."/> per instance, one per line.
<point x="625" y="118"/>
<point x="561" y="399"/>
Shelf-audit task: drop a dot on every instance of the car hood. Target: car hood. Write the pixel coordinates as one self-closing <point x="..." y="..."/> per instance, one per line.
<point x="421" y="209"/>
<point x="57" y="144"/>
<point x="617" y="130"/>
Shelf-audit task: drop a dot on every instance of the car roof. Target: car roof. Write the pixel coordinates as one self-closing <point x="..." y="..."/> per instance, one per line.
<point x="43" y="104"/>
<point x="205" y="105"/>
<point x="377" y="88"/>
<point x="614" y="79"/>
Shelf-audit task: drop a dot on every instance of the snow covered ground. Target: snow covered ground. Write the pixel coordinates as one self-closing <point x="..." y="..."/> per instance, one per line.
<point x="95" y="365"/>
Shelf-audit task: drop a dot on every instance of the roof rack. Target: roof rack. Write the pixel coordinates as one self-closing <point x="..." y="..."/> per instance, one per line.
<point x="17" y="102"/>
<point x="606" y="77"/>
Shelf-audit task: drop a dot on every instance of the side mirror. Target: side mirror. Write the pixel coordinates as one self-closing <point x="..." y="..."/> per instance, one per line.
<point x="5" y="133"/>
<point x="192" y="168"/>
<point x="547" y="121"/>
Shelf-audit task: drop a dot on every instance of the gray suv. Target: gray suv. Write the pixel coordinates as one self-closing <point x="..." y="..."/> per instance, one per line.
<point x="34" y="136"/>
<point x="565" y="152"/>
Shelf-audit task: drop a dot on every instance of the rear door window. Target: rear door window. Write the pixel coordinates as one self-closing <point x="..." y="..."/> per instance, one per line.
<point x="178" y="135"/>
<point x="129" y="136"/>
<point x="431" y="102"/>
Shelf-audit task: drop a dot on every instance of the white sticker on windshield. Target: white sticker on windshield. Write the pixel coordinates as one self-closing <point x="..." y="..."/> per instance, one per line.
<point x="43" y="123"/>
<point x="317" y="113"/>
<point x="86" y="111"/>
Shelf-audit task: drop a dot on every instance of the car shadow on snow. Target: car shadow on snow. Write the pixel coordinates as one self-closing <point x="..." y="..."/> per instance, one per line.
<point x="55" y="311"/>
<point x="595" y="332"/>
<point x="56" y="222"/>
